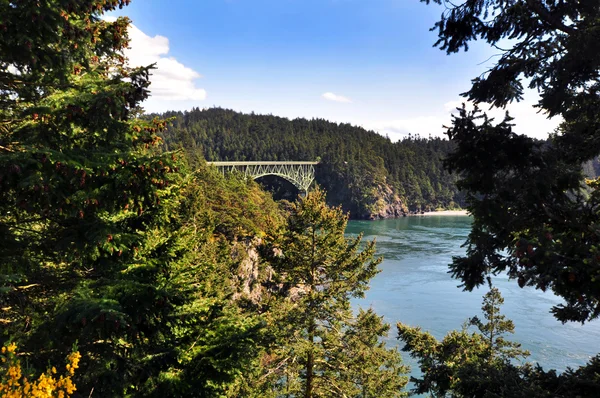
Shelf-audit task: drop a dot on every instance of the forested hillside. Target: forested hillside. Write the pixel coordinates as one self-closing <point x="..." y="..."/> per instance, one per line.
<point x="138" y="272"/>
<point x="153" y="279"/>
<point x="366" y="173"/>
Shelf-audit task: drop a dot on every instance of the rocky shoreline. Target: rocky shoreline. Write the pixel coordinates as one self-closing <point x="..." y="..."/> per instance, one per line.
<point x="386" y="203"/>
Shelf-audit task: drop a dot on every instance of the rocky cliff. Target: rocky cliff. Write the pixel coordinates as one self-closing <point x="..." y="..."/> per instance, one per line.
<point x="383" y="203"/>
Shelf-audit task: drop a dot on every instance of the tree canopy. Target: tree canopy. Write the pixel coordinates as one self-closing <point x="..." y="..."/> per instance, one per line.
<point x="104" y="241"/>
<point x="364" y="172"/>
<point x="111" y="243"/>
<point x="484" y="364"/>
<point x="535" y="214"/>
<point x="322" y="349"/>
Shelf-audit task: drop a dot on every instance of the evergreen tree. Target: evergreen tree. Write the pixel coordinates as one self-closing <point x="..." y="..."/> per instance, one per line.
<point x="99" y="232"/>
<point x="474" y="364"/>
<point x="369" y="369"/>
<point x="535" y="215"/>
<point x="318" y="342"/>
<point x="496" y="327"/>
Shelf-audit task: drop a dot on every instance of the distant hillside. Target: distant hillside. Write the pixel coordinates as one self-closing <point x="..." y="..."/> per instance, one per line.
<point x="366" y="173"/>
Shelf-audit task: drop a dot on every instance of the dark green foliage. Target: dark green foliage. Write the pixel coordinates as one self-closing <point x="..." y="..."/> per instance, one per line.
<point x="320" y="349"/>
<point x="582" y="382"/>
<point x="485" y="364"/>
<point x="103" y="241"/>
<point x="214" y="340"/>
<point x="553" y="44"/>
<point x="360" y="170"/>
<point x="236" y="207"/>
<point x="532" y="218"/>
<point x="468" y="364"/>
<point x="496" y="326"/>
<point x="369" y="369"/>
<point x="534" y="215"/>
<point x="80" y="184"/>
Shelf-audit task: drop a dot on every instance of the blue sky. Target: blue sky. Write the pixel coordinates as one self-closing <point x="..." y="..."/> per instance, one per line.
<point x="369" y="63"/>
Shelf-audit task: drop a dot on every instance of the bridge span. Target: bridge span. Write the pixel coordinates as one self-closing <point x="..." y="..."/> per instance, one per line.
<point x="301" y="174"/>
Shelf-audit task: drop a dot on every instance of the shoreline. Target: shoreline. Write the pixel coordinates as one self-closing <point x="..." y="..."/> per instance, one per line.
<point x="443" y="213"/>
<point x="426" y="214"/>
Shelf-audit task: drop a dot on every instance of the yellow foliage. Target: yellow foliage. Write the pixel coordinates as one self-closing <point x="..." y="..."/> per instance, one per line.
<point x="14" y="385"/>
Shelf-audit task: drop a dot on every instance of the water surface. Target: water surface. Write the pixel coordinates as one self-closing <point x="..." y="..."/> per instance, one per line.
<point x="415" y="288"/>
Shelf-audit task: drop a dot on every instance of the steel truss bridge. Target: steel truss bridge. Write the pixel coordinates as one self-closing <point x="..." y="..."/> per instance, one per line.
<point x="301" y="174"/>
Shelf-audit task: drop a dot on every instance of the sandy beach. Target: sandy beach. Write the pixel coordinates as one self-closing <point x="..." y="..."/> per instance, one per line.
<point x="445" y="213"/>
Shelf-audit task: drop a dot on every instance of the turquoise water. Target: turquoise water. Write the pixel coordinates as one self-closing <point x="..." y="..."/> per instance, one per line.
<point x="415" y="288"/>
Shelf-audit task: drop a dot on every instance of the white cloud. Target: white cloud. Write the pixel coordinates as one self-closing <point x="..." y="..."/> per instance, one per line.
<point x="337" y="98"/>
<point x="527" y="121"/>
<point x="171" y="80"/>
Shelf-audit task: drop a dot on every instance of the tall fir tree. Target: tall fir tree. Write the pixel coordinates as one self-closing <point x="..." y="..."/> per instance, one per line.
<point x="365" y="366"/>
<point x="98" y="243"/>
<point x="319" y="339"/>
<point x="496" y="327"/>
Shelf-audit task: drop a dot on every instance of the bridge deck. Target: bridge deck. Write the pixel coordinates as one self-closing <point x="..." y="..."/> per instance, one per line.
<point x="261" y="163"/>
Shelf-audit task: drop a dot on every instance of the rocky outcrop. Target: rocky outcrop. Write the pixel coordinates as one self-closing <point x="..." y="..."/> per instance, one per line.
<point x="254" y="280"/>
<point x="385" y="203"/>
<point x="248" y="273"/>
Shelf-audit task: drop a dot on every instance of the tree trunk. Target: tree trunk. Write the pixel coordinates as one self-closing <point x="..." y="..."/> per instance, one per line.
<point x="310" y="363"/>
<point x="311" y="326"/>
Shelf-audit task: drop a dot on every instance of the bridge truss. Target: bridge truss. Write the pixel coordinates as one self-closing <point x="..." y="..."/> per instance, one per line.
<point x="301" y="174"/>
